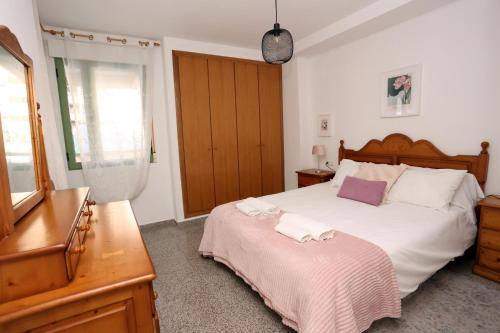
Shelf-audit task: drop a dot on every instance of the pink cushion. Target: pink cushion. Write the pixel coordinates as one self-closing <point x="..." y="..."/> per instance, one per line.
<point x="382" y="172"/>
<point x="367" y="191"/>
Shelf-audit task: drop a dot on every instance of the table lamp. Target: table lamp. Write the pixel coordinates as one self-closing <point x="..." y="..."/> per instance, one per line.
<point x="319" y="150"/>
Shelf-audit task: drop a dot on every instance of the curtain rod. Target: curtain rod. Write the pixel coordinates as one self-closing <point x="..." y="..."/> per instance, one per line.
<point x="91" y="37"/>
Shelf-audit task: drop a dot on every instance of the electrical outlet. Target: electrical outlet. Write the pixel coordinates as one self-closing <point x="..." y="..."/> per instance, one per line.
<point x="329" y="165"/>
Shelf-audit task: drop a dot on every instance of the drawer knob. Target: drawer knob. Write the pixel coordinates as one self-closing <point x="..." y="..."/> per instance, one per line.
<point x="88" y="213"/>
<point x="90" y="202"/>
<point x="78" y="250"/>
<point x="85" y="227"/>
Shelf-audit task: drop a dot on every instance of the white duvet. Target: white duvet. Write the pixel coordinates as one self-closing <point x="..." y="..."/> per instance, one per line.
<point x="418" y="240"/>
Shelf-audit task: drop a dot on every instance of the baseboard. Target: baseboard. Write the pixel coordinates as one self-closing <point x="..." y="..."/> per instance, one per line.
<point x="153" y="224"/>
<point x="191" y="219"/>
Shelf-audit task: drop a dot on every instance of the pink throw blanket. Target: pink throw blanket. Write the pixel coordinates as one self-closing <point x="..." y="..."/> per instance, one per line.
<point x="339" y="285"/>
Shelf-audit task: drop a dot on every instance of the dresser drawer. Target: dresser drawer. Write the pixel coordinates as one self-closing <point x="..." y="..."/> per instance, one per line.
<point x="305" y="180"/>
<point x="490" y="218"/>
<point x="72" y="254"/>
<point x="77" y="244"/>
<point x="489" y="258"/>
<point x="490" y="239"/>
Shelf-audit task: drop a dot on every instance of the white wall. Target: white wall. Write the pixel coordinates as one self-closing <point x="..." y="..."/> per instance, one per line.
<point x="298" y="125"/>
<point x="459" y="49"/>
<point x="21" y="17"/>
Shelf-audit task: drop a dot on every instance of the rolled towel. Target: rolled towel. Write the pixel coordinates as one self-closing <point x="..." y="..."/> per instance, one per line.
<point x="247" y="209"/>
<point x="294" y="232"/>
<point x="320" y="231"/>
<point x="264" y="207"/>
<point x="317" y="230"/>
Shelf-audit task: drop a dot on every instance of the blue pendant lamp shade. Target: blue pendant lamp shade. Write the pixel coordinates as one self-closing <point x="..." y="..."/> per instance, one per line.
<point x="277" y="44"/>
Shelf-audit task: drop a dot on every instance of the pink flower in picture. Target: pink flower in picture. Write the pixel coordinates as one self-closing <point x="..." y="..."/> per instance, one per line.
<point x="400" y="88"/>
<point x="407" y="85"/>
<point x="400" y="81"/>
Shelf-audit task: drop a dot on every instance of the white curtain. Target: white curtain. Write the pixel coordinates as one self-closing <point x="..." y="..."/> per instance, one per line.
<point x="110" y="101"/>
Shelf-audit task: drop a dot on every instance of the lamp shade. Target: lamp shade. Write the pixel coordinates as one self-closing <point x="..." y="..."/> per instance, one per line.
<point x="319" y="150"/>
<point x="277" y="45"/>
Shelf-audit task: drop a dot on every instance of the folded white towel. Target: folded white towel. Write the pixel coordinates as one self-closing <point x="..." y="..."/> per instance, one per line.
<point x="262" y="206"/>
<point x="247" y="209"/>
<point x="317" y="230"/>
<point x="294" y="232"/>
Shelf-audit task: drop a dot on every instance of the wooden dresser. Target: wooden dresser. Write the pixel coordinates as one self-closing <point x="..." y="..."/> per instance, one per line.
<point x="488" y="250"/>
<point x="100" y="277"/>
<point x="66" y="264"/>
<point x="52" y="235"/>
<point x="311" y="177"/>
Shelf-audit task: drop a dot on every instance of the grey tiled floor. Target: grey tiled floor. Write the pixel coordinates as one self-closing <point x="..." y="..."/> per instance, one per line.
<point x="200" y="295"/>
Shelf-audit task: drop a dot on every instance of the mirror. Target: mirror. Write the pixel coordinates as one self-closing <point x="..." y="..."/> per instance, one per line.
<point x="16" y="127"/>
<point x="24" y="177"/>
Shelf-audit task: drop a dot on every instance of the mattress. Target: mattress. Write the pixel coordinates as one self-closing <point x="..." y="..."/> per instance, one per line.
<point x="418" y="240"/>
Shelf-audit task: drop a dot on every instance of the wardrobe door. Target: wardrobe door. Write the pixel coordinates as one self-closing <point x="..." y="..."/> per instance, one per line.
<point x="224" y="133"/>
<point x="271" y="128"/>
<point x="247" y="111"/>
<point x="196" y="137"/>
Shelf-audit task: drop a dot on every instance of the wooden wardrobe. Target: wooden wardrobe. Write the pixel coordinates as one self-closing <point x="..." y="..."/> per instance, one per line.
<point x="230" y="128"/>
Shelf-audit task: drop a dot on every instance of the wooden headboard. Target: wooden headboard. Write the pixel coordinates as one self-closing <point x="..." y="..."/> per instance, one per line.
<point x="398" y="148"/>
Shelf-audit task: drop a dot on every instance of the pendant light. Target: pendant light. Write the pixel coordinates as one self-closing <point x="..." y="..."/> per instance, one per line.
<point x="277" y="44"/>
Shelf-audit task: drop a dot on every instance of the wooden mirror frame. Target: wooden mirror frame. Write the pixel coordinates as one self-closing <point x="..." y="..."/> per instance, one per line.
<point x="10" y="213"/>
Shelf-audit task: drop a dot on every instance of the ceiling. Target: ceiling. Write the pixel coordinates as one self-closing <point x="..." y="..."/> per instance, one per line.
<point x="232" y="22"/>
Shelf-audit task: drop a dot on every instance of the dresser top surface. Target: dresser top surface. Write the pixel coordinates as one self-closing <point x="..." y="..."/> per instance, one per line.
<point x="491" y="201"/>
<point x="316" y="172"/>
<point x="47" y="226"/>
<point x="115" y="257"/>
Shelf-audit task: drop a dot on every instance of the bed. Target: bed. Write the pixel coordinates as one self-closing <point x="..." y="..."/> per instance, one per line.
<point x="379" y="254"/>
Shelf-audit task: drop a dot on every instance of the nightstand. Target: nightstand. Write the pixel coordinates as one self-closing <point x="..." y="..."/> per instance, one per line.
<point x="310" y="177"/>
<point x="488" y="249"/>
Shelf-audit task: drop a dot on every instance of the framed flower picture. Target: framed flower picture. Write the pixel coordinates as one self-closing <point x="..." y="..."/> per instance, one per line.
<point x="400" y="96"/>
<point x="324" y="125"/>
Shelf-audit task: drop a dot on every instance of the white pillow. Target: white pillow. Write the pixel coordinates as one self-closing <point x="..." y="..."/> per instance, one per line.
<point x="346" y="168"/>
<point x="468" y="193"/>
<point x="433" y="188"/>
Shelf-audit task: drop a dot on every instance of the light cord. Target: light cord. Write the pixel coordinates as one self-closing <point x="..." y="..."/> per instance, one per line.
<point x="276" y="9"/>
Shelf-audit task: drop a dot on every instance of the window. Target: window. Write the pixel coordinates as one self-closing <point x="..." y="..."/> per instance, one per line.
<point x="113" y="99"/>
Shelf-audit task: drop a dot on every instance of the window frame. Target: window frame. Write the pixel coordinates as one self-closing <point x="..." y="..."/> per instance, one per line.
<point x="69" y="142"/>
